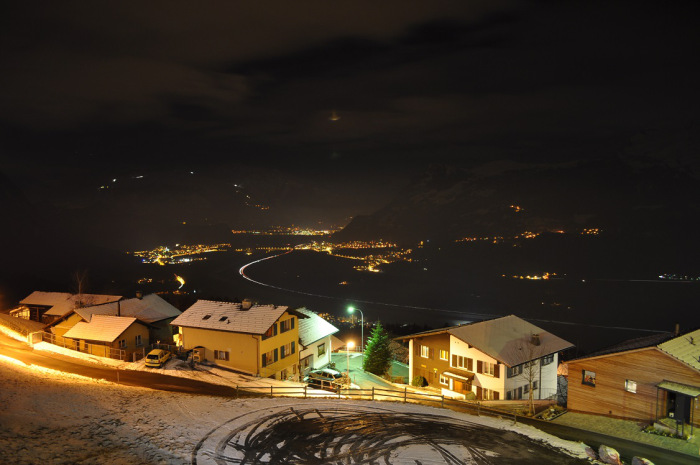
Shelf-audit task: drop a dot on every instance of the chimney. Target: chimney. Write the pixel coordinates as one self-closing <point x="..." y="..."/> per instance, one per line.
<point x="119" y="308"/>
<point x="677" y="332"/>
<point x="139" y="295"/>
<point x="246" y="304"/>
<point x="535" y="339"/>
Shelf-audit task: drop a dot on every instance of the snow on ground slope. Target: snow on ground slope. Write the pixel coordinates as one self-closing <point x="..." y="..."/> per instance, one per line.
<point x="50" y="417"/>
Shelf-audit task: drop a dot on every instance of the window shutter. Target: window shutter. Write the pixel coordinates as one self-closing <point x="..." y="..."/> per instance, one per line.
<point x="264" y="360"/>
<point x="478" y="392"/>
<point x="431" y="353"/>
<point x="292" y="324"/>
<point x="479" y="366"/>
<point x="470" y="364"/>
<point x="282" y="352"/>
<point x="454" y="360"/>
<point x="496" y="395"/>
<point x="496" y="371"/>
<point x="292" y="346"/>
<point x="274" y="331"/>
<point x="276" y="355"/>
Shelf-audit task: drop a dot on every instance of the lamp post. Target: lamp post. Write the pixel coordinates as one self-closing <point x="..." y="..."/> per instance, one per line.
<point x="350" y="346"/>
<point x="362" y="343"/>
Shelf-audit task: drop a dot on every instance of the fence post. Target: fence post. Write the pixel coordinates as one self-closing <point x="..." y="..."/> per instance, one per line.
<point x="405" y="391"/>
<point x="236" y="391"/>
<point x="271" y="394"/>
<point x="478" y="409"/>
<point x="372" y="392"/>
<point x="304" y="392"/>
<point x="442" y="401"/>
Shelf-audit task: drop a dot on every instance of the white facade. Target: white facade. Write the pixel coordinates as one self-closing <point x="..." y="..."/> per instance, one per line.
<point x="319" y="353"/>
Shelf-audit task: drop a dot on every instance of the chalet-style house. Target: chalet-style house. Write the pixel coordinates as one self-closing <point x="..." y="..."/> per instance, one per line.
<point x="150" y="310"/>
<point x="643" y="379"/>
<point x="48" y="307"/>
<point x="109" y="336"/>
<point x="260" y="340"/>
<point x="499" y="359"/>
<point x="316" y="343"/>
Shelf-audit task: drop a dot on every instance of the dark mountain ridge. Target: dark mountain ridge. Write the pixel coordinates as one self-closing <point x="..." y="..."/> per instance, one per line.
<point x="447" y="203"/>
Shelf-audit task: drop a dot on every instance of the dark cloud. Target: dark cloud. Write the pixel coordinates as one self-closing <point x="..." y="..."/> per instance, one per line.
<point x="88" y="90"/>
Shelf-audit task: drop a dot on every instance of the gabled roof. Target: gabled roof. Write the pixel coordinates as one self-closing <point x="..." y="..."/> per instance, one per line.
<point x="102" y="328"/>
<point x="46" y="299"/>
<point x="685" y="348"/>
<point x="63" y="302"/>
<point x="228" y="316"/>
<point x="507" y="339"/>
<point x="632" y="344"/>
<point x="150" y="309"/>
<point x="313" y="328"/>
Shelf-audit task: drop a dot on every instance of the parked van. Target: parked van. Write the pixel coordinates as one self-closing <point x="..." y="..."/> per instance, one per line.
<point x="157" y="358"/>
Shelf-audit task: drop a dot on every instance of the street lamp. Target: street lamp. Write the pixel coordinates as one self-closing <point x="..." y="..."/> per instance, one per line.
<point x="362" y="343"/>
<point x="350" y="346"/>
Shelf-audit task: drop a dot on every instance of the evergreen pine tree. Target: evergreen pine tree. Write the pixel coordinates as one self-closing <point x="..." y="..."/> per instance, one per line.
<point x="377" y="358"/>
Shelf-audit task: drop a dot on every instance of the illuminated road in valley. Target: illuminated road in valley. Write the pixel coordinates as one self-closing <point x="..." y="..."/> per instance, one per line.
<point x="461" y="314"/>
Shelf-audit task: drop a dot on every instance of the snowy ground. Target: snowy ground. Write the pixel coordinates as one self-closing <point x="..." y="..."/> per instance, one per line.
<point x="51" y="417"/>
<point x="176" y="367"/>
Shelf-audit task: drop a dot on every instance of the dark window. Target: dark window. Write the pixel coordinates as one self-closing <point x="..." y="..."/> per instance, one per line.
<point x="206" y="317"/>
<point x="547" y="359"/>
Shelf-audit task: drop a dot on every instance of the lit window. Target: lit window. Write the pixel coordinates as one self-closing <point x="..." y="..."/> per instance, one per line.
<point x="138" y="341"/>
<point x="489" y="368"/>
<point x="322" y="349"/>
<point x="221" y="355"/>
<point x="425" y="351"/>
<point x="444" y="380"/>
<point x="286" y="325"/>
<point x="588" y="378"/>
<point x="444" y="355"/>
<point x="630" y="386"/>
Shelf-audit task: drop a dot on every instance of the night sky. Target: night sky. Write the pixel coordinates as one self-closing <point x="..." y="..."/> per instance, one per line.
<point x="244" y="92"/>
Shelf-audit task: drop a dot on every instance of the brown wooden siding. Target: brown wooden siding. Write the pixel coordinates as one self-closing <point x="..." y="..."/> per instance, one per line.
<point x="646" y="367"/>
<point x="432" y="367"/>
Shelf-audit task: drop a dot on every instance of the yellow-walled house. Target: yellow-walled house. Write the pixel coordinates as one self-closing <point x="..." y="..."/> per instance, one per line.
<point x="261" y="340"/>
<point x="109" y="336"/>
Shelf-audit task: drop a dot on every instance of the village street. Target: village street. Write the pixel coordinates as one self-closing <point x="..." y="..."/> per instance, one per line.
<point x="21" y="351"/>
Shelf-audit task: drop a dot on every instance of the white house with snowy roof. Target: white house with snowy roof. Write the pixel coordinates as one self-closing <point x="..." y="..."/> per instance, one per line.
<point x="500" y="359"/>
<point x="260" y="340"/>
<point x="315" y="336"/>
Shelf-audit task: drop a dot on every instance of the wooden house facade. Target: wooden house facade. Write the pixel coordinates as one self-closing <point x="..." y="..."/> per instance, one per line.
<point x="641" y="383"/>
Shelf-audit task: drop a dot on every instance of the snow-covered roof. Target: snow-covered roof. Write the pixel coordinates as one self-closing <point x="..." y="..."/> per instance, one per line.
<point x="685" y="348"/>
<point x="150" y="309"/>
<point x="73" y="301"/>
<point x="46" y="299"/>
<point x="102" y="328"/>
<point x="313" y="328"/>
<point x="63" y="302"/>
<point x="509" y="339"/>
<point x="228" y="316"/>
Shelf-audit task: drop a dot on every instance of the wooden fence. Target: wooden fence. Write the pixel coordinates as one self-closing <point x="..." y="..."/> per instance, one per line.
<point x="86" y="348"/>
<point x="380" y="394"/>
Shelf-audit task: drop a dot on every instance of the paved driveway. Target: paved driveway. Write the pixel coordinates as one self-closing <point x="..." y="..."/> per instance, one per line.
<point x="357" y="374"/>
